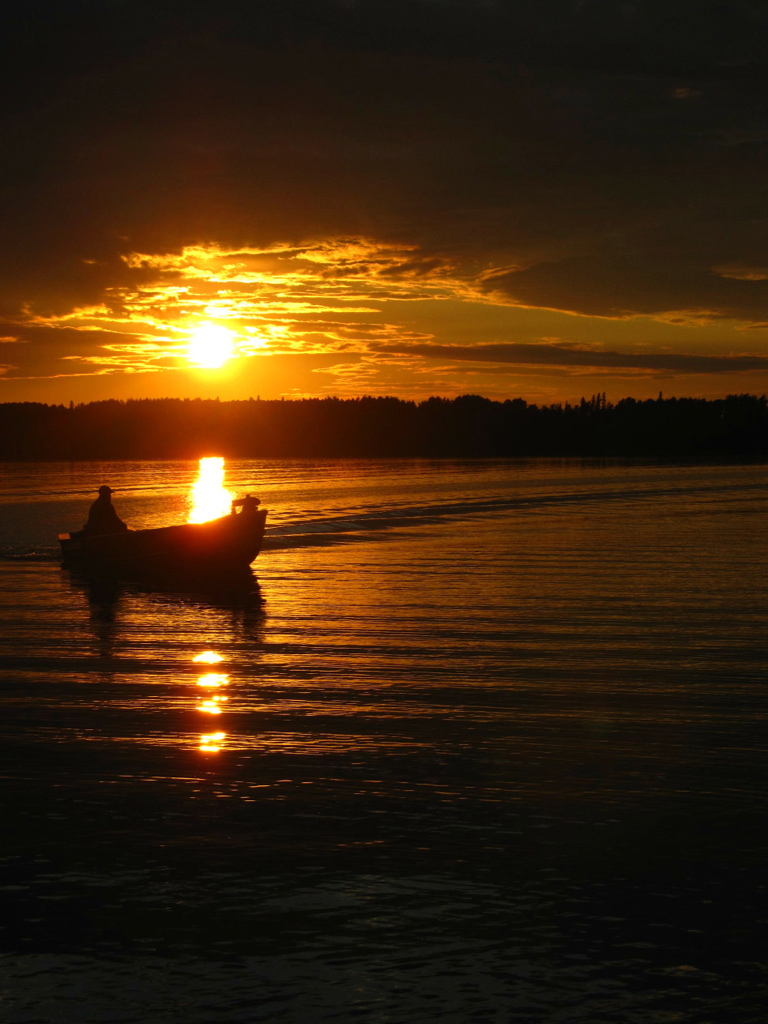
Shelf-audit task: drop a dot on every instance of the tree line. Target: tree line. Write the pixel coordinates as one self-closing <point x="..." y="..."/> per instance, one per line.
<point x="468" y="426"/>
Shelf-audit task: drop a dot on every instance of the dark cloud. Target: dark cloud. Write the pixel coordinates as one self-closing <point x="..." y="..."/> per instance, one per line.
<point x="612" y="154"/>
<point x="558" y="355"/>
<point x="618" y="287"/>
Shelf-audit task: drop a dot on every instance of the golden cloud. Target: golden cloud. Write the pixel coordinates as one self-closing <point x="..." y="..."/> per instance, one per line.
<point x="318" y="298"/>
<point x="329" y="297"/>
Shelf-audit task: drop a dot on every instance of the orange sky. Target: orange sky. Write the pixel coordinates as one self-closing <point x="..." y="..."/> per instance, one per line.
<point x="416" y="209"/>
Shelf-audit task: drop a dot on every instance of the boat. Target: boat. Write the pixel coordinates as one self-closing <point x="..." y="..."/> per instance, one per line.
<point x="227" y="543"/>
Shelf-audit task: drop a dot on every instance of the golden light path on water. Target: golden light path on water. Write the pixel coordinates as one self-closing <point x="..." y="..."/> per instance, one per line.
<point x="213" y="680"/>
<point x="209" y="497"/>
<point x="212" y="706"/>
<point x="207" y="658"/>
<point x="210" y="743"/>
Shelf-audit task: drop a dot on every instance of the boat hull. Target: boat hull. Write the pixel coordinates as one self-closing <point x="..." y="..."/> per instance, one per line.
<point x="230" y="542"/>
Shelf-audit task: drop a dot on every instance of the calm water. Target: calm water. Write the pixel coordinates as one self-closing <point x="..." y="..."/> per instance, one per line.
<point x="493" y="749"/>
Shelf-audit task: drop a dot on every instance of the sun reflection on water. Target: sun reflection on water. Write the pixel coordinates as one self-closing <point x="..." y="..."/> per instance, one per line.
<point x="210" y="742"/>
<point x="209" y="498"/>
<point x="212" y="706"/>
<point x="213" y="679"/>
<point x="207" y="658"/>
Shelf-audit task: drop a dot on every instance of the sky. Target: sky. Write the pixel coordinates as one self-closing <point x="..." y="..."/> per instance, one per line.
<point x="541" y="199"/>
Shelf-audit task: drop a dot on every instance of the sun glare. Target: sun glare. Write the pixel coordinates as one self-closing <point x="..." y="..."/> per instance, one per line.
<point x="210" y="346"/>
<point x="209" y="498"/>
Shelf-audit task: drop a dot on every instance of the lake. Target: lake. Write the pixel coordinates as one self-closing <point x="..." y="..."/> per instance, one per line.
<point x="481" y="741"/>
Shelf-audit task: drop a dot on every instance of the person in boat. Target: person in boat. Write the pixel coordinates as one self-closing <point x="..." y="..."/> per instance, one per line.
<point x="102" y="517"/>
<point x="247" y="505"/>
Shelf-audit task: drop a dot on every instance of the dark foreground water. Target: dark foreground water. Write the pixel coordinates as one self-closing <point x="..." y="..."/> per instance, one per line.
<point x="483" y="742"/>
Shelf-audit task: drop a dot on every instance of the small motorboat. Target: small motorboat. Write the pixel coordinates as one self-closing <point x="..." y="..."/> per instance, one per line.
<point x="227" y="543"/>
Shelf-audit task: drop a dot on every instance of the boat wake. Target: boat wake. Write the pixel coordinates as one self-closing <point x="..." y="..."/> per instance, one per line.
<point x="23" y="553"/>
<point x="376" y="524"/>
<point x="316" y="527"/>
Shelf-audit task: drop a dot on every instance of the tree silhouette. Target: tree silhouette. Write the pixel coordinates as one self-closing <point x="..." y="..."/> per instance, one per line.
<point x="469" y="426"/>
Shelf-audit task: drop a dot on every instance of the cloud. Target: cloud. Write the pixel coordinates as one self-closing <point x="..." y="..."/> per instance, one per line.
<point x="559" y="355"/>
<point x="296" y="166"/>
<point x="616" y="287"/>
<point x="313" y="299"/>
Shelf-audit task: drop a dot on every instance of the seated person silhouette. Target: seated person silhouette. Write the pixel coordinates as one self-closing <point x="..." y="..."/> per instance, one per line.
<point x="247" y="505"/>
<point x="102" y="517"/>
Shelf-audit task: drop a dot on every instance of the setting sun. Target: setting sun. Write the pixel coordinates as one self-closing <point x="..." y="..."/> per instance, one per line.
<point x="210" y="345"/>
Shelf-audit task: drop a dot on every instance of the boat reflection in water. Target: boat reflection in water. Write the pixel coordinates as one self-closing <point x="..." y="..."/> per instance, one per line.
<point x="233" y="589"/>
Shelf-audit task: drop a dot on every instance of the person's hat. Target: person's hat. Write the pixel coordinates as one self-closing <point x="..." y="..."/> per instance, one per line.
<point x="105" y="490"/>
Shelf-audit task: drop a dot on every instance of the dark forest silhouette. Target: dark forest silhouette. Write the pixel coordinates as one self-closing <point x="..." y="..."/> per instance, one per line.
<point x="468" y="426"/>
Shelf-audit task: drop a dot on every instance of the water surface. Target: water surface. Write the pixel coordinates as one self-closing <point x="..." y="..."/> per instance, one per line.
<point x="481" y="741"/>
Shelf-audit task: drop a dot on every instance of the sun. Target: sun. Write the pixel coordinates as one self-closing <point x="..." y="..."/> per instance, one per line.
<point x="210" y="346"/>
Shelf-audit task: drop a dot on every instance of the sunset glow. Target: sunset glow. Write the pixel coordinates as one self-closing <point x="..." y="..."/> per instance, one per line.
<point x="384" y="416"/>
<point x="500" y="236"/>
<point x="346" y="317"/>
